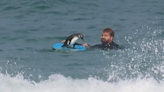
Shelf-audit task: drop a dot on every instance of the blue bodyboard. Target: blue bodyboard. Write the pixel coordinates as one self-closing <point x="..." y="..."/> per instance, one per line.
<point x="58" y="46"/>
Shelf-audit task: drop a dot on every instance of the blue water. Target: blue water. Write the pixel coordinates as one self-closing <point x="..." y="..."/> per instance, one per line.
<point x="28" y="30"/>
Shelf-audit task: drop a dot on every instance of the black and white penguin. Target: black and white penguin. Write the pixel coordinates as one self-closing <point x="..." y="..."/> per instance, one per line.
<point x="72" y="39"/>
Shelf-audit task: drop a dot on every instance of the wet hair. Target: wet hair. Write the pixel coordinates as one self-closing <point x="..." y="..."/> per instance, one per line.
<point x="110" y="31"/>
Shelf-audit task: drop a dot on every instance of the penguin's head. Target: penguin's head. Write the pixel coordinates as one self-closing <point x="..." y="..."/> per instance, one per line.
<point x="80" y="36"/>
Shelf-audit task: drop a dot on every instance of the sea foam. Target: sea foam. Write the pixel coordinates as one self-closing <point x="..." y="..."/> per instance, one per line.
<point x="60" y="83"/>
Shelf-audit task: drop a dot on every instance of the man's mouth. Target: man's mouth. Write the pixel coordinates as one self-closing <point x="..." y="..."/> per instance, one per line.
<point x="103" y="39"/>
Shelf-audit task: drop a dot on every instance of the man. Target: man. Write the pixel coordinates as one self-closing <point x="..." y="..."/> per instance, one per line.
<point x="107" y="41"/>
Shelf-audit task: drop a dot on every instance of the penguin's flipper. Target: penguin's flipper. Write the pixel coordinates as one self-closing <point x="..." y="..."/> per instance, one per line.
<point x="64" y="45"/>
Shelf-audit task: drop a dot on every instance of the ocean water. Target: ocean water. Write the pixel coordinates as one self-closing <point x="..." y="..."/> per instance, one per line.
<point x="28" y="29"/>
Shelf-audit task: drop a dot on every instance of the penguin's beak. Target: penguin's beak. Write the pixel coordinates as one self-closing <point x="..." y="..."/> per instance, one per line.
<point x="82" y="38"/>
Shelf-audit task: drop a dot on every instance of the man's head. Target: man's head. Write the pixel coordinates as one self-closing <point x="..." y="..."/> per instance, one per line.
<point x="107" y="36"/>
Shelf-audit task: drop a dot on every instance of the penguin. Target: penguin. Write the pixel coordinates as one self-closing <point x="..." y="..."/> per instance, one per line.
<point x="72" y="39"/>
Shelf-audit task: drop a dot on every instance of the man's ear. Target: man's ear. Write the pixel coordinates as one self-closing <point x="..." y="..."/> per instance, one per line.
<point x="111" y="39"/>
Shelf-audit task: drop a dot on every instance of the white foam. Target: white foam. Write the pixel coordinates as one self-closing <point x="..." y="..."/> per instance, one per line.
<point x="59" y="83"/>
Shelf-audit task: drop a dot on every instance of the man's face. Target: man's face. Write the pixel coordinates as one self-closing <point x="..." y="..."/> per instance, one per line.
<point x="106" y="38"/>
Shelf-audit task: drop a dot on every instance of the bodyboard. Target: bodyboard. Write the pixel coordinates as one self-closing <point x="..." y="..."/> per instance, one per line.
<point x="58" y="46"/>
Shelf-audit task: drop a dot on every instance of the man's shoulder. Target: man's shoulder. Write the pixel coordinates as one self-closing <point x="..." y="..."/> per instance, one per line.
<point x="115" y="44"/>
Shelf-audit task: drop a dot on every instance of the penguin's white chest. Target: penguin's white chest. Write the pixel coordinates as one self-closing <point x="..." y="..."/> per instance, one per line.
<point x="73" y="41"/>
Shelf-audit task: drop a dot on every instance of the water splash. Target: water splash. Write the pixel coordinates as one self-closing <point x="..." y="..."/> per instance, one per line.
<point x="142" y="59"/>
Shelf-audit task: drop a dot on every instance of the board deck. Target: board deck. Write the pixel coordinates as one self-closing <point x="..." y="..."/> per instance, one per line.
<point x="58" y="46"/>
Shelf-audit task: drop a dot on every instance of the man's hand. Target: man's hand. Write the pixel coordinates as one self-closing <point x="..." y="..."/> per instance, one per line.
<point x="63" y="41"/>
<point x="86" y="45"/>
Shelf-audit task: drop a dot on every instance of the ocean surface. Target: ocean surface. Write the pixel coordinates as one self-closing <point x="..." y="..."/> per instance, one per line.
<point x="29" y="28"/>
